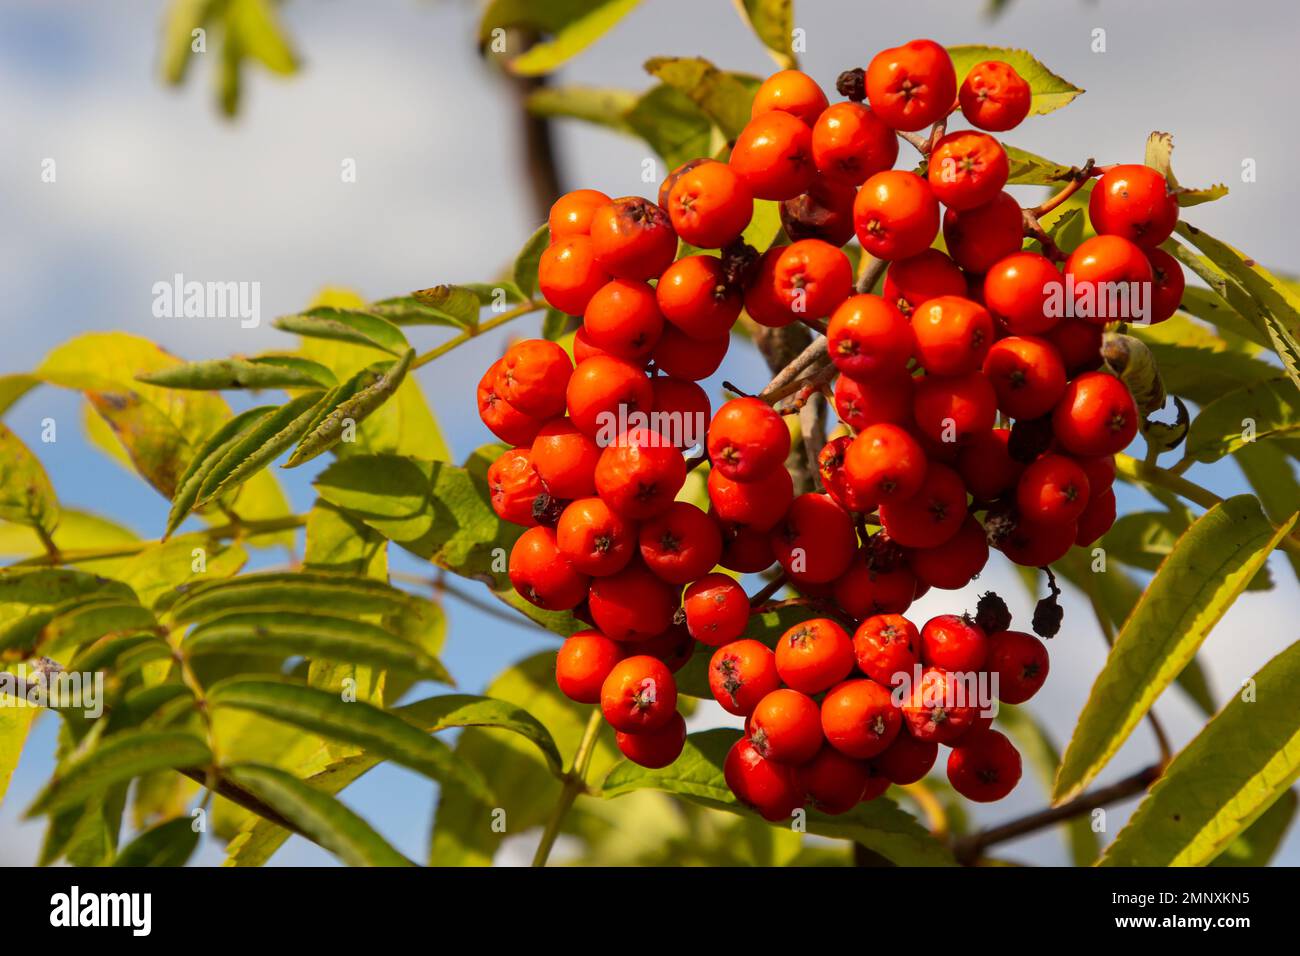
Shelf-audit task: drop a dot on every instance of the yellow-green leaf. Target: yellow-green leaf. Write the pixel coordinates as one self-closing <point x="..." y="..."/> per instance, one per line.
<point x="26" y="495"/>
<point x="346" y="325"/>
<point x="171" y="843"/>
<point x="773" y="23"/>
<point x="1236" y="767"/>
<point x="1251" y="413"/>
<point x="285" y="371"/>
<point x="318" y="815"/>
<point x="723" y="96"/>
<point x="572" y="37"/>
<point x="1207" y="570"/>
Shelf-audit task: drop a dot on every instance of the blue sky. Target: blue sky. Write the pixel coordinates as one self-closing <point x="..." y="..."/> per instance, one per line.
<point x="151" y="181"/>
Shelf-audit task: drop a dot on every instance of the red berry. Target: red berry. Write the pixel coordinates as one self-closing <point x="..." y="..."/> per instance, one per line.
<point x="767" y="786"/>
<point x="868" y="336"/>
<point x="994" y="96"/>
<point x="640" y="476"/>
<point x="746" y="550"/>
<point x="1112" y="280"/>
<point x="595" y="539"/>
<point x="681" y="411"/>
<point x="747" y="439"/>
<point x="681" y="356"/>
<point x="834" y="783"/>
<point x="815" y="542"/>
<point x="693" y="295"/>
<point x="717" y="610"/>
<point x="1169" y="283"/>
<point x="568" y="274"/>
<point x="512" y="486"/>
<point x="951" y="642"/>
<point x="835" y="479"/>
<point x="741" y="674"/>
<point x="503" y="419"/>
<point x="986" y="467"/>
<point x="939" y="709"/>
<point x="773" y="156"/>
<point x="631" y="605"/>
<point x="1028" y="375"/>
<point x="542" y="574"/>
<point x="709" y="205"/>
<point x="953" y="335"/>
<point x="790" y="91"/>
<point x="623" y="319"/>
<point x="895" y="215"/>
<point x="1079" y="343"/>
<point x="633" y="238"/>
<point x="955" y="563"/>
<point x="980" y="237"/>
<point x="571" y="214"/>
<point x="600" y="388"/>
<point x="985" y="769"/>
<point x="1097" y="518"/>
<point x="886" y="646"/>
<point x="1133" y="201"/>
<point x="680" y="544"/>
<point x="954" y="410"/>
<point x="885" y="398"/>
<point x="675" y="647"/>
<point x="809" y="278"/>
<point x="565" y="460"/>
<point x="931" y="516"/>
<point x="1096" y="415"/>
<point x="583" y="663"/>
<point x="967" y="169"/>
<point x="907" y="759"/>
<point x="639" y="695"/>
<point x="757" y="504"/>
<point x="859" y="718"/>
<point x="919" y="278"/>
<point x="912" y="85"/>
<point x="532" y="376"/>
<point x="1020" y="662"/>
<point x="814" y="655"/>
<point x="1018" y="289"/>
<point x="655" y="748"/>
<point x="885" y="464"/>
<point x="850" y="143"/>
<point x="862" y="591"/>
<point x="1036" y="544"/>
<point x="786" y="727"/>
<point x="1054" y="490"/>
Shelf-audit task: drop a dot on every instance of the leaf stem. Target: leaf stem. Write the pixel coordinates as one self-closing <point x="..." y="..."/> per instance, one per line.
<point x="1145" y="473"/>
<point x="575" y="781"/>
<point x="474" y="331"/>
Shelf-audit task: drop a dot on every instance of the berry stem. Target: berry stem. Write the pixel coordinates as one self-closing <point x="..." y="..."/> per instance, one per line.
<point x="763" y="594"/>
<point x="969" y="849"/>
<point x="1077" y="177"/>
<point x="870" y="269"/>
<point x="575" y="782"/>
<point x="475" y="331"/>
<point x="1145" y="473"/>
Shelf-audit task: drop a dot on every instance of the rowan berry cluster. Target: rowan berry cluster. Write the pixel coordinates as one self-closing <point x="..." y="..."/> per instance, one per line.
<point x="974" y="412"/>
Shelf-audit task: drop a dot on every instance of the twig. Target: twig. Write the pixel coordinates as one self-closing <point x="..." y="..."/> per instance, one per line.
<point x="1077" y="177"/>
<point x="968" y="849"/>
<point x="575" y="782"/>
<point x="763" y="594"/>
<point x="474" y="331"/>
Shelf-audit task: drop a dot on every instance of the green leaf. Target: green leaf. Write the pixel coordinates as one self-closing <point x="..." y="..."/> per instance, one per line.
<point x="15" y="721"/>
<point x="697" y="776"/>
<point x="1041" y="753"/>
<point x="601" y="106"/>
<point x="377" y="386"/>
<point x="202" y="463"/>
<point x="1207" y="570"/>
<point x="1271" y="303"/>
<point x="13" y="387"/>
<point x="1196" y="363"/>
<point x="287" y="634"/>
<point x="1029" y="169"/>
<point x="331" y="770"/>
<point x="1256" y="845"/>
<point x="1236" y="767"/>
<point x="308" y="591"/>
<point x="115" y="760"/>
<point x="671" y="124"/>
<point x="318" y="815"/>
<point x="773" y="23"/>
<point x="1273" y="479"/>
<point x="265" y="372"/>
<point x="572" y="37"/>
<point x="1049" y="92"/>
<point x="168" y="844"/>
<point x="433" y="509"/>
<point x="1221" y="427"/>
<point x="524" y="272"/>
<point x="346" y="325"/>
<point x="1142" y="539"/>
<point x="1159" y="156"/>
<point x="357" y="722"/>
<point x="458" y="304"/>
<point x="258" y="445"/>
<point x="723" y="97"/>
<point x="26" y="495"/>
<point x="254" y="24"/>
